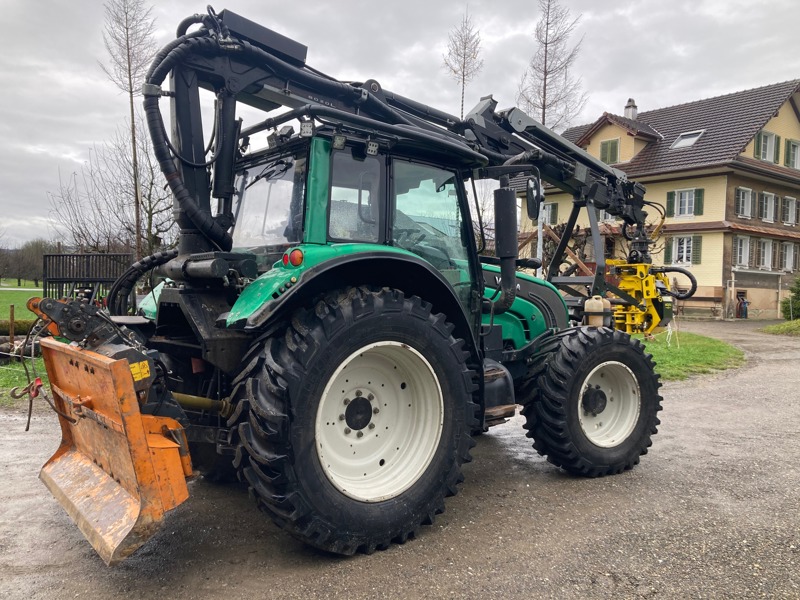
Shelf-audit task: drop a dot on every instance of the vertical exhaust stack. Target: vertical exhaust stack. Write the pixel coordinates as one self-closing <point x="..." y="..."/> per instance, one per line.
<point x="505" y="242"/>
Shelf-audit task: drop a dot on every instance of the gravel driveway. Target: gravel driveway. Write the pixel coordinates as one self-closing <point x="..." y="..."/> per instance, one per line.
<point x="712" y="512"/>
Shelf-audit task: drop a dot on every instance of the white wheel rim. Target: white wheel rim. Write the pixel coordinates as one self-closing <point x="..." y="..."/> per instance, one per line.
<point x="379" y="421"/>
<point x="616" y="421"/>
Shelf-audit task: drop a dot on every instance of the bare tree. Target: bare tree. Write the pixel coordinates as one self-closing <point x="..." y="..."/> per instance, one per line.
<point x="129" y="40"/>
<point x="463" y="61"/>
<point x="548" y="88"/>
<point x="94" y="208"/>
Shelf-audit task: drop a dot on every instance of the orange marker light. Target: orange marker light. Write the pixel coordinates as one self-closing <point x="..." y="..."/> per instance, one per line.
<point x="296" y="257"/>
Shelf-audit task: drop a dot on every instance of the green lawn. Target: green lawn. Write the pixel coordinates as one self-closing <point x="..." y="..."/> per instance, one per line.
<point x="691" y="354"/>
<point x="9" y="282"/>
<point x="18" y="299"/>
<point x="787" y="328"/>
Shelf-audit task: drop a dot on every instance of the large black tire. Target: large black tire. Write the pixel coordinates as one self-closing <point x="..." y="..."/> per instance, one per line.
<point x="294" y="450"/>
<point x="594" y="405"/>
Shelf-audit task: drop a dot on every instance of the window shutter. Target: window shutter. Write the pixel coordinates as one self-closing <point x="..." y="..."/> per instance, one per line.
<point x="668" y="251"/>
<point x="775" y="206"/>
<point x="738" y="201"/>
<point x="752" y="259"/>
<point x="670" y="204"/>
<point x="777" y="149"/>
<point x="698" y="201"/>
<point x="785" y="210"/>
<point x="697" y="248"/>
<point x="757" y="152"/>
<point x="762" y="206"/>
<point x="787" y="151"/>
<point x="735" y="250"/>
<point x="604" y="151"/>
<point x="554" y="214"/>
<point x="796" y="265"/>
<point x="776" y="250"/>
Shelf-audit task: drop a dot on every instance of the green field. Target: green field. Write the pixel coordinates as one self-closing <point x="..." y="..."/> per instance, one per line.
<point x="18" y="299"/>
<point x="8" y="282"/>
<point x="691" y="354"/>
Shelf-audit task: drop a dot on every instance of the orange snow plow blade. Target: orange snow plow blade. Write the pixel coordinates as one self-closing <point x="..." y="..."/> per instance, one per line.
<point x="116" y="471"/>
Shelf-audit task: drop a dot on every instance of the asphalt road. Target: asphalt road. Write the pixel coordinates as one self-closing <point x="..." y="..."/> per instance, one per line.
<point x="711" y="512"/>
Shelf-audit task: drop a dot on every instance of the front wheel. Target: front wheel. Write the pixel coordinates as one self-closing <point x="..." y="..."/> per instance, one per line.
<point x="359" y="420"/>
<point x="595" y="401"/>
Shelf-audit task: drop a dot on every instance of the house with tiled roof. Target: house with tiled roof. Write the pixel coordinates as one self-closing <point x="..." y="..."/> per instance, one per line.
<point x="727" y="172"/>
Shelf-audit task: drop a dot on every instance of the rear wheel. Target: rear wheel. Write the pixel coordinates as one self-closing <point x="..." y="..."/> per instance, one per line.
<point x="594" y="405"/>
<point x="359" y="420"/>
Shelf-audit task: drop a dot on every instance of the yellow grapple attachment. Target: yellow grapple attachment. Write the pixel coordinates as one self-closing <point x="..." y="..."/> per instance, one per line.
<point x="116" y="471"/>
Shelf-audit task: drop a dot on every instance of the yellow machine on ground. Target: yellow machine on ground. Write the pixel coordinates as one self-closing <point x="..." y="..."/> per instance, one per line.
<point x="638" y="295"/>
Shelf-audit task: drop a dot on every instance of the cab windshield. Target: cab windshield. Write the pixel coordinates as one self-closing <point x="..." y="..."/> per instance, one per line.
<point x="269" y="212"/>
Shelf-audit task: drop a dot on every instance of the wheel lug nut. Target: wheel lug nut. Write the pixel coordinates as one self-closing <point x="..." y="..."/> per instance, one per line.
<point x="376" y="410"/>
<point x="341" y="417"/>
<point x="370" y="397"/>
<point x="372" y="425"/>
<point x="360" y="434"/>
<point x="347" y="430"/>
<point x="358" y="393"/>
<point x="346" y="401"/>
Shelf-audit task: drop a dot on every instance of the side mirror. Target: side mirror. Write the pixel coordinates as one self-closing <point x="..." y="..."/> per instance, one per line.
<point x="534" y="196"/>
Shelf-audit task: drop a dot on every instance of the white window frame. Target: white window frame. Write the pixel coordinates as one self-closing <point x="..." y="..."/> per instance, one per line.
<point x="682" y="250"/>
<point x="794" y="149"/>
<point x="604" y="216"/>
<point x="792" y="220"/>
<point x="769" y="206"/>
<point x="687" y="139"/>
<point x="688" y="210"/>
<point x="742" y="251"/>
<point x="788" y="256"/>
<point x="547" y="213"/>
<point x="748" y="203"/>
<point x="767" y="146"/>
<point x="765" y="250"/>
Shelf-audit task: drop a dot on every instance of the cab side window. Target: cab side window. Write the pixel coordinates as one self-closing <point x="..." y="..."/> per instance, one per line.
<point x="355" y="198"/>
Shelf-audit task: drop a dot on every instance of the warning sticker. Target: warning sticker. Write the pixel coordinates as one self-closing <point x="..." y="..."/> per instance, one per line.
<point x="140" y="370"/>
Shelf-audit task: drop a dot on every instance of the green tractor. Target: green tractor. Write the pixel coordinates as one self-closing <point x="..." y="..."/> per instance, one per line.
<point x="328" y="329"/>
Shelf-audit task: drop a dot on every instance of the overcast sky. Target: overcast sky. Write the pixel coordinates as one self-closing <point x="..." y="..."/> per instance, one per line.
<point x="56" y="102"/>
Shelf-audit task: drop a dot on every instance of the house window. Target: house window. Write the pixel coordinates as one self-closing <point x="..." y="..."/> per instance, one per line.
<point x="685" y="203"/>
<point x="683" y="250"/>
<point x="787" y="256"/>
<point x="687" y="139"/>
<point x="741" y="250"/>
<point x="767" y="146"/>
<point x="549" y="213"/>
<point x="609" y="151"/>
<point x="789" y="211"/>
<point x="603" y="215"/>
<point x="744" y="202"/>
<point x="792" y="154"/>
<point x="765" y="254"/>
<point x="766" y="207"/>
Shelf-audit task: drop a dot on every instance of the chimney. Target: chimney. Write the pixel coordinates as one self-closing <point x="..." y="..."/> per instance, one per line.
<point x="630" y="110"/>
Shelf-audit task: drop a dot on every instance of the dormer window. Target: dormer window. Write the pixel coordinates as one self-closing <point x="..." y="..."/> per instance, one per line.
<point x="687" y="139"/>
<point x="609" y="151"/>
<point x="767" y="146"/>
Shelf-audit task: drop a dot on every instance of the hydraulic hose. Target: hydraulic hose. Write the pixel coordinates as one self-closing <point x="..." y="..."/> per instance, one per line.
<point x="173" y="54"/>
<point x="674" y="293"/>
<point x="122" y="287"/>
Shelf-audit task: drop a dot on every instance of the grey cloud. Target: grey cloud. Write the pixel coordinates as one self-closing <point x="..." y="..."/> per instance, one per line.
<point x="56" y="102"/>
